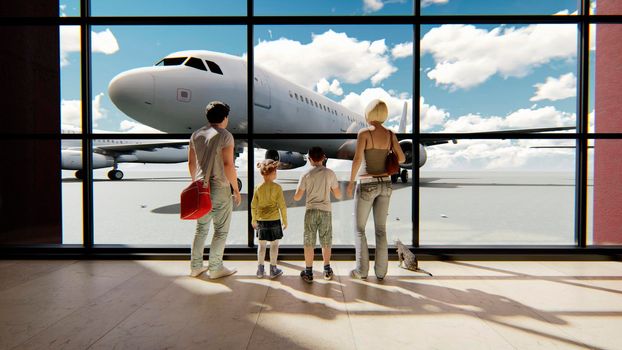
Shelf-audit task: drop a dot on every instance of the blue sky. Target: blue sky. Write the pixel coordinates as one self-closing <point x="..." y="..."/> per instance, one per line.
<point x="473" y="78"/>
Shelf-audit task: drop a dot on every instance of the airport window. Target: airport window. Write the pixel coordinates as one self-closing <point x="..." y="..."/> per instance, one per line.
<point x="171" y="61"/>
<point x="213" y="67"/>
<point x="196" y="63"/>
<point x="562" y="87"/>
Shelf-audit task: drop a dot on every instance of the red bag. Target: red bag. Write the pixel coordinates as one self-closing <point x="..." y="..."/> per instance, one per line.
<point x="195" y="201"/>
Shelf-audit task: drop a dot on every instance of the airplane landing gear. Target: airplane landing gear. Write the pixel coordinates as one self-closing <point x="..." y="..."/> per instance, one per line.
<point x="394" y="178"/>
<point x="239" y="184"/>
<point x="79" y="174"/>
<point x="115" y="174"/>
<point x="404" y="176"/>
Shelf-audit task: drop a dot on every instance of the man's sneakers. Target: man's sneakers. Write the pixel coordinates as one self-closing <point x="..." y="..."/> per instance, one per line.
<point x="306" y="276"/>
<point x="222" y="272"/>
<point x="196" y="271"/>
<point x="357" y="275"/>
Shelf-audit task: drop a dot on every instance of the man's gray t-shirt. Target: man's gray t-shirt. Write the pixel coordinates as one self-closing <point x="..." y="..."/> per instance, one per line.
<point x="317" y="183"/>
<point x="208" y="143"/>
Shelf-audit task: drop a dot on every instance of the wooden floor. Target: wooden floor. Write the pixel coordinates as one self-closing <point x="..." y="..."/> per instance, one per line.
<point x="466" y="305"/>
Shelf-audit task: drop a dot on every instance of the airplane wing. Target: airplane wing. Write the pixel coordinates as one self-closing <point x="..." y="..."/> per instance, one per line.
<point x="129" y="147"/>
<point x="432" y="142"/>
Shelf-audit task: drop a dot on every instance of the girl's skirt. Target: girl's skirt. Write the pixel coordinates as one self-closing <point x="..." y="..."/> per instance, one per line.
<point x="269" y="230"/>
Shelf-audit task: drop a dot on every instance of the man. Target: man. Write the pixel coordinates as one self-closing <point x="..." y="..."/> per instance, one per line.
<point x="210" y="157"/>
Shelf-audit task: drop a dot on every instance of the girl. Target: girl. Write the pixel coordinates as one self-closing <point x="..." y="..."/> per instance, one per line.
<point x="267" y="209"/>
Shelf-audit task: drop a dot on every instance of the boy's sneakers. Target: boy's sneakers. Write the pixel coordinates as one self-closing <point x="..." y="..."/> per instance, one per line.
<point x="260" y="271"/>
<point x="307" y="277"/>
<point x="328" y="273"/>
<point x="274" y="271"/>
<point x="196" y="271"/>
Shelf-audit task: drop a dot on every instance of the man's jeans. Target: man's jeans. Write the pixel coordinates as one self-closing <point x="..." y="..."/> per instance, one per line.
<point x="374" y="195"/>
<point x="222" y="205"/>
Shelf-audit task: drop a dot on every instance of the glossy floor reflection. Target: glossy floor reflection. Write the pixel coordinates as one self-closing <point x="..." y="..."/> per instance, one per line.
<point x="466" y="305"/>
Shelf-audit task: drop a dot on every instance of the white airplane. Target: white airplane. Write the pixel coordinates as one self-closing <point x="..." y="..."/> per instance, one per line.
<point x="109" y="153"/>
<point x="171" y="96"/>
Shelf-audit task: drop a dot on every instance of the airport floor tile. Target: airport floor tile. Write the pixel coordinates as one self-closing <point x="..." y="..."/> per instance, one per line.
<point x="156" y="305"/>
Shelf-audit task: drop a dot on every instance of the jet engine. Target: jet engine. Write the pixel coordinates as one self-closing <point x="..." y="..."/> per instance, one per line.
<point x="72" y="160"/>
<point x="287" y="159"/>
<point x="406" y="146"/>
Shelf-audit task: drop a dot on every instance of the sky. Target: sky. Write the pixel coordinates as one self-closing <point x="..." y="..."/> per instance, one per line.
<point x="473" y="77"/>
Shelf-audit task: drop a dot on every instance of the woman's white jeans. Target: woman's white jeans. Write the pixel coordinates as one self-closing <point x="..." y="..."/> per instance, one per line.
<point x="376" y="196"/>
<point x="222" y="206"/>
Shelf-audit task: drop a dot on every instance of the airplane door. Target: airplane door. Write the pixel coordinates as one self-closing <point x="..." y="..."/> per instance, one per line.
<point x="262" y="94"/>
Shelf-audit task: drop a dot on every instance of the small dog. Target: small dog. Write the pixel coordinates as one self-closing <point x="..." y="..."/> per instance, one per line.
<point x="407" y="259"/>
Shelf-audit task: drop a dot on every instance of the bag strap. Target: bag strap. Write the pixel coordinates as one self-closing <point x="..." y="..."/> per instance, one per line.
<point x="390" y="140"/>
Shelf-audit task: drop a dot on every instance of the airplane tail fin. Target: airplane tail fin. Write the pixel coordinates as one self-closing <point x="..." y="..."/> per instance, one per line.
<point x="402" y="126"/>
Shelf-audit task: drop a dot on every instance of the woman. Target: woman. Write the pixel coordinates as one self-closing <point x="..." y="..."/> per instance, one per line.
<point x="374" y="187"/>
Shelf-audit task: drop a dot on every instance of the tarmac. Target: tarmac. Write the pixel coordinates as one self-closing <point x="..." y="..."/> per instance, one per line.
<point x="456" y="208"/>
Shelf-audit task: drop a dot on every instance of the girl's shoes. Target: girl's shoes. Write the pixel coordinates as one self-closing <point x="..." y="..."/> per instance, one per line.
<point x="260" y="271"/>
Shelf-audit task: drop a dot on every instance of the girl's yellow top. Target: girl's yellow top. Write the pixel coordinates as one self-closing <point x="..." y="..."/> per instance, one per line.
<point x="267" y="200"/>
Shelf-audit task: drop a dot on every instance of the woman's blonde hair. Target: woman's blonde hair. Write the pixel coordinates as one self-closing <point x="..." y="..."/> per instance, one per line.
<point x="376" y="111"/>
<point x="267" y="167"/>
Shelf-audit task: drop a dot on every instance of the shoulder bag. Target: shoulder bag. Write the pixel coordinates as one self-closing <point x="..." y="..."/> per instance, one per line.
<point x="392" y="164"/>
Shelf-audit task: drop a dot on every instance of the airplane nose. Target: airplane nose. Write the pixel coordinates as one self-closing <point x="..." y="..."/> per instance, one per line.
<point x="133" y="91"/>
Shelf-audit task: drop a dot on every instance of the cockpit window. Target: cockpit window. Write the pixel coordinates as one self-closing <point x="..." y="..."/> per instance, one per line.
<point x="196" y="63"/>
<point x="171" y="61"/>
<point x="213" y="67"/>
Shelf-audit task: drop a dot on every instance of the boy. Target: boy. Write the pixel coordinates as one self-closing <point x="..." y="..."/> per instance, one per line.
<point x="317" y="182"/>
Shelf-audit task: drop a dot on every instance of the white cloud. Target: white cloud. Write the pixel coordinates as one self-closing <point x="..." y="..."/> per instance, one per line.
<point x="425" y="3"/>
<point x="467" y="56"/>
<point x="402" y="50"/>
<point x="136" y="127"/>
<point x="102" y="42"/>
<point x="330" y="55"/>
<point x="63" y="9"/>
<point x="431" y="116"/>
<point x="71" y="112"/>
<point x="556" y="88"/>
<point x="323" y="86"/>
<point x="521" y="119"/>
<point x="372" y="5"/>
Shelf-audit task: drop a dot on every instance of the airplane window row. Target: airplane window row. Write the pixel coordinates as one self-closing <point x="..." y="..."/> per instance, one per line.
<point x="323" y="107"/>
<point x="191" y="62"/>
<point x="312" y="103"/>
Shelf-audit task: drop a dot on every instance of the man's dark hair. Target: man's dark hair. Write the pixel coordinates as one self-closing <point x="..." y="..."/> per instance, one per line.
<point x="216" y="112"/>
<point x="316" y="153"/>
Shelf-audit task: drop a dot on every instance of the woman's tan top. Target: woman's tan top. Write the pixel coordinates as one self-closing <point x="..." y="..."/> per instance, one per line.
<point x="375" y="159"/>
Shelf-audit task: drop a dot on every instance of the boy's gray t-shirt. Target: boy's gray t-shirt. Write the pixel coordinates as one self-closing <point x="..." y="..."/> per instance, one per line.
<point x="208" y="143"/>
<point x="317" y="183"/>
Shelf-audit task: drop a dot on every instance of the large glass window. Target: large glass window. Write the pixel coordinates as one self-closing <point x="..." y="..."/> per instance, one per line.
<point x="478" y="78"/>
<point x="152" y="66"/>
<point x="212" y="8"/>
<point x="498" y="192"/>
<point x="319" y="79"/>
<point x="498" y="7"/>
<point x="133" y="93"/>
<point x="332" y="8"/>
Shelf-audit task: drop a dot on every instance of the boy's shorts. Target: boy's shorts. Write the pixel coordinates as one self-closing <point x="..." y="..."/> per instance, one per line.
<point x="319" y="221"/>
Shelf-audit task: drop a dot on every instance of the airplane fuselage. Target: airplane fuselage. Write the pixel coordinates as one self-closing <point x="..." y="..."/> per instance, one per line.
<point x="172" y="95"/>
